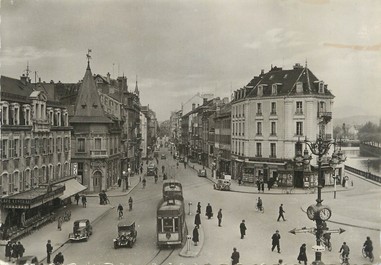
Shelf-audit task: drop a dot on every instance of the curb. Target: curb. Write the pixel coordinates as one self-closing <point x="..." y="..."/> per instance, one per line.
<point x="200" y="244"/>
<point x="117" y="195"/>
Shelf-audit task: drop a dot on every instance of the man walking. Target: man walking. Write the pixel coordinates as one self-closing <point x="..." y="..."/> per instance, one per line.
<point x="84" y="201"/>
<point x="242" y="228"/>
<point x="76" y="197"/>
<point x="197" y="220"/>
<point x="281" y="211"/>
<point x="219" y="217"/>
<point x="235" y="257"/>
<point x="195" y="235"/>
<point x="49" y="250"/>
<point x="276" y="241"/>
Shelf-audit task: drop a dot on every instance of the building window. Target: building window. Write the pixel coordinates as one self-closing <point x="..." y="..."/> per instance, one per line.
<point x="299" y="107"/>
<point x="16" y="149"/>
<point x="274" y="89"/>
<point x="243" y="148"/>
<point x="272" y="150"/>
<point x="273" y="128"/>
<point x="260" y="91"/>
<point x="66" y="144"/>
<point x="26" y="146"/>
<point x="243" y="128"/>
<point x="321" y="87"/>
<point x="273" y="108"/>
<point x="259" y="150"/>
<point x="259" y="108"/>
<point x="259" y="128"/>
<point x="298" y="148"/>
<point x="11" y="184"/>
<point x="59" y="145"/>
<point x="81" y="145"/>
<point x="299" y="87"/>
<point x="98" y="142"/>
<point x="4" y="149"/>
<point x="299" y="128"/>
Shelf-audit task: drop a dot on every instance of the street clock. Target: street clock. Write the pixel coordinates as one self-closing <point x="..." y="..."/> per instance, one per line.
<point x="321" y="212"/>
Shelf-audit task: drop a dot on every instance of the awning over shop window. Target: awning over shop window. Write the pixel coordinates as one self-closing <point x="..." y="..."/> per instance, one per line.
<point x="72" y="187"/>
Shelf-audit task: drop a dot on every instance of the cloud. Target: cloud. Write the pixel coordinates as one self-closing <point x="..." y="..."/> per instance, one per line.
<point x="17" y="54"/>
<point x="253" y="45"/>
<point x="376" y="47"/>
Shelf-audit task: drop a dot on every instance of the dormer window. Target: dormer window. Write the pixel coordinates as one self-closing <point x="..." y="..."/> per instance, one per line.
<point x="299" y="87"/>
<point x="321" y="87"/>
<point x="274" y="89"/>
<point x="260" y="91"/>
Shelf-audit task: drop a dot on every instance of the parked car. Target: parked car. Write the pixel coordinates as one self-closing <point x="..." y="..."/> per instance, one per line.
<point x="202" y="173"/>
<point x="222" y="184"/>
<point x="163" y="156"/>
<point x="126" y="234"/>
<point x="27" y="260"/>
<point x="151" y="169"/>
<point x="82" y="230"/>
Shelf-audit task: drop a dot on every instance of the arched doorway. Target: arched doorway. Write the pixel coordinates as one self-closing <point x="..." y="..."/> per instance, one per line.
<point x="97" y="181"/>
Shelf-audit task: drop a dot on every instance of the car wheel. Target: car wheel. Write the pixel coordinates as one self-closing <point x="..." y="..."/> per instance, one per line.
<point x="115" y="245"/>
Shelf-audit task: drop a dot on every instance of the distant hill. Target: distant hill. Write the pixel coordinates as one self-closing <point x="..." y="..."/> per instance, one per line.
<point x="357" y="120"/>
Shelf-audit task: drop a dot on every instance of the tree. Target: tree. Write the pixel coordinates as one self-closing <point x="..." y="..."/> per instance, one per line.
<point x="370" y="133"/>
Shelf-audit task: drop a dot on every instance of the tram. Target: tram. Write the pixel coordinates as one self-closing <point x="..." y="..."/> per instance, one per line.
<point x="170" y="222"/>
<point x="172" y="189"/>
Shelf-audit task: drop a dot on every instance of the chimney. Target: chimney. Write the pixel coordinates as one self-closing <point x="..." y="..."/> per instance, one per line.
<point x="24" y="79"/>
<point x="193" y="106"/>
<point x="108" y="77"/>
<point x="204" y="101"/>
<point x="262" y="71"/>
<point x="39" y="80"/>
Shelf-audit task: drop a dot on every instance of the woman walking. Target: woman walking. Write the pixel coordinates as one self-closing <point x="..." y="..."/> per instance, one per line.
<point x="302" y="254"/>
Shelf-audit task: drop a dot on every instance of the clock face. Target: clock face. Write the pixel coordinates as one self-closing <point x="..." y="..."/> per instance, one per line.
<point x="325" y="214"/>
<point x="311" y="212"/>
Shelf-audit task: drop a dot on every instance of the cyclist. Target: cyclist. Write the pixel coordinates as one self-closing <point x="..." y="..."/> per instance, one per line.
<point x="130" y="203"/>
<point x="259" y="204"/>
<point x="344" y="250"/>
<point x="120" y="210"/>
<point x="368" y="247"/>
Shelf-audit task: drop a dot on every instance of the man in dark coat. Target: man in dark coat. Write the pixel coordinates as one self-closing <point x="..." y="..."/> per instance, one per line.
<point x="8" y="250"/>
<point x="242" y="228"/>
<point x="76" y="197"/>
<point x="302" y="254"/>
<point x="20" y="249"/>
<point x="49" y="250"/>
<point x="195" y="235"/>
<point x="199" y="207"/>
<point x="84" y="201"/>
<point x="58" y="259"/>
<point x="276" y="241"/>
<point x="219" y="217"/>
<point x="197" y="220"/>
<point x="281" y="211"/>
<point x="235" y="256"/>
<point x="209" y="211"/>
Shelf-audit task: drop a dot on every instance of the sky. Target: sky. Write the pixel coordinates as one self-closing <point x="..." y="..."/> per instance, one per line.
<point x="180" y="48"/>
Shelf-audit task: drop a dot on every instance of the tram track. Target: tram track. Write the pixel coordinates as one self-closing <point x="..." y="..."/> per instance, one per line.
<point x="161" y="256"/>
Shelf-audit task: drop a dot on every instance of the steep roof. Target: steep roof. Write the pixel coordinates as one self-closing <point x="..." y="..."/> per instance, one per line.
<point x="286" y="81"/>
<point x="88" y="107"/>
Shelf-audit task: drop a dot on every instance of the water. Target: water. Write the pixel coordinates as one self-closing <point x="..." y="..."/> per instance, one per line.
<point x="362" y="162"/>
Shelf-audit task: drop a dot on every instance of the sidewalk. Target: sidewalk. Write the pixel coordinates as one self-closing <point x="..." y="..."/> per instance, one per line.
<point x="35" y="243"/>
<point x="190" y="250"/>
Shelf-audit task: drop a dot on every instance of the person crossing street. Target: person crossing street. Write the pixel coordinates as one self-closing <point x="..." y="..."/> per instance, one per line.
<point x="276" y="241"/>
<point x="219" y="217"/>
<point x="242" y="229"/>
<point x="281" y="212"/>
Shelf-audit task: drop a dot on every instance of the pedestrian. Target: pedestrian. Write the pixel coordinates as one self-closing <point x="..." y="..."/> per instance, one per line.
<point x="185" y="163"/>
<point x="302" y="254"/>
<point x="20" y="249"/>
<point x="15" y="252"/>
<point x="198" y="207"/>
<point x="49" y="250"/>
<point x="280" y="262"/>
<point x="8" y="250"/>
<point x="209" y="211"/>
<point x="58" y="259"/>
<point x="84" y="201"/>
<point x="242" y="229"/>
<point x="59" y="223"/>
<point x="239" y="180"/>
<point x="235" y="256"/>
<point x="197" y="220"/>
<point x="259" y="186"/>
<point x="281" y="211"/>
<point x="195" y="235"/>
<point x="141" y="169"/>
<point x="276" y="241"/>
<point x="119" y="182"/>
<point x="219" y="217"/>
<point x="263" y="186"/>
<point x="76" y="197"/>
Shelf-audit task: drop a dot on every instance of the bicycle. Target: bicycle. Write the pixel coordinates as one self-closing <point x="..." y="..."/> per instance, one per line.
<point x="344" y="260"/>
<point x="326" y="243"/>
<point x="260" y="209"/>
<point x="367" y="254"/>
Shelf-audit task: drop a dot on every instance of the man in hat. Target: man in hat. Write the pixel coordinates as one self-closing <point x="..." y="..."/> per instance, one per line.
<point x="276" y="241"/>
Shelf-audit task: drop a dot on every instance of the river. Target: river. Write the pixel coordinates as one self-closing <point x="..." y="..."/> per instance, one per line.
<point x="362" y="162"/>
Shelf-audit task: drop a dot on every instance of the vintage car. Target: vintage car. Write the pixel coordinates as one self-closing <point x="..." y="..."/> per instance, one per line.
<point x="163" y="156"/>
<point x="82" y="230"/>
<point x="201" y="173"/>
<point x="222" y="184"/>
<point x="126" y="234"/>
<point x="151" y="169"/>
<point x="27" y="260"/>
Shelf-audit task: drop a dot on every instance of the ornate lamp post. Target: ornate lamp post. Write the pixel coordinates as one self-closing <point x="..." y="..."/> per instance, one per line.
<point x="321" y="213"/>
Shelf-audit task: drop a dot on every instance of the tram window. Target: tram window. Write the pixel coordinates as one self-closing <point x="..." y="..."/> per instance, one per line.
<point x="159" y="225"/>
<point x="176" y="224"/>
<point x="167" y="225"/>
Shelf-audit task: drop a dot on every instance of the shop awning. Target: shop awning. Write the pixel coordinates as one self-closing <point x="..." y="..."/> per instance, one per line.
<point x="72" y="186"/>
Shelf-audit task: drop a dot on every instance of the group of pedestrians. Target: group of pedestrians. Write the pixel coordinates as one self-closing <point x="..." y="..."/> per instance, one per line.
<point x="58" y="259"/>
<point x="83" y="199"/>
<point x="14" y="250"/>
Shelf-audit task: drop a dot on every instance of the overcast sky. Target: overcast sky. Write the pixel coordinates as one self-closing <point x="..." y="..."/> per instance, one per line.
<point x="178" y="48"/>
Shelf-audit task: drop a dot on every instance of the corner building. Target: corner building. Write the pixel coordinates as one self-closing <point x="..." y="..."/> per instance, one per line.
<point x="271" y="116"/>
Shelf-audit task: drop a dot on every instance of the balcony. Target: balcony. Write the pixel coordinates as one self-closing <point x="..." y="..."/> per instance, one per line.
<point x="98" y="153"/>
<point x="299" y="112"/>
<point x="41" y="126"/>
<point x="325" y="116"/>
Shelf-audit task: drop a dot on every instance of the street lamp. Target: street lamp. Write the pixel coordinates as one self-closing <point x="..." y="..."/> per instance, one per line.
<point x="321" y="213"/>
<point x="125" y="179"/>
